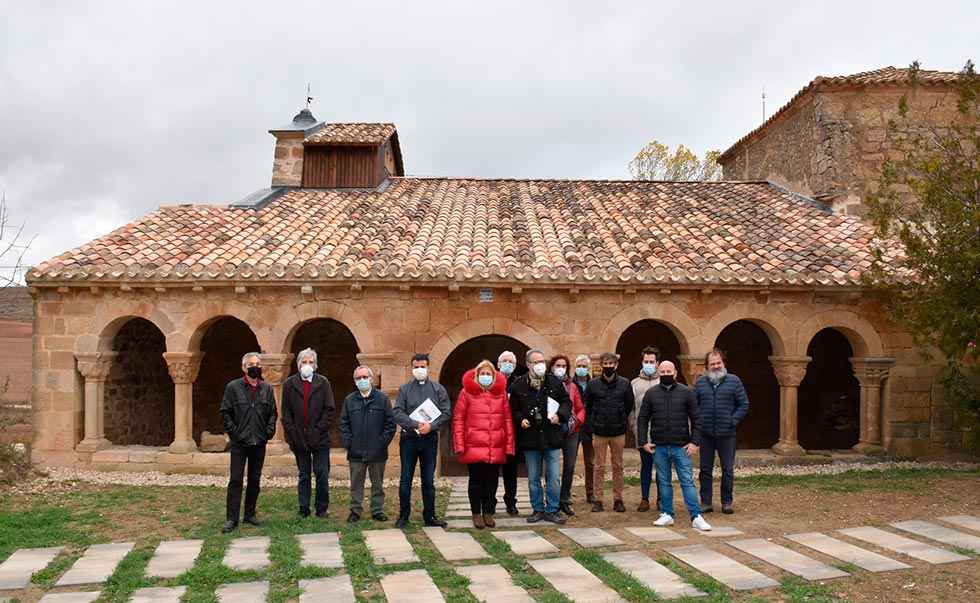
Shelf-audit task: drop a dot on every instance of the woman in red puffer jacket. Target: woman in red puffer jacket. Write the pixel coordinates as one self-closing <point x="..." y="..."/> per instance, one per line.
<point x="483" y="436"/>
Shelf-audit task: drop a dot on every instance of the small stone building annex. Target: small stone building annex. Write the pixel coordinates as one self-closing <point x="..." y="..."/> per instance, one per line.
<point x="137" y="332"/>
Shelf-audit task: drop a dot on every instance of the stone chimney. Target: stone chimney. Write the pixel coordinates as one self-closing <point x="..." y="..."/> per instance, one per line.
<point x="287" y="166"/>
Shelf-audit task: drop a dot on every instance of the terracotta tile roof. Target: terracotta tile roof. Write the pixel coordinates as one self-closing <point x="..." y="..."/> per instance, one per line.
<point x="352" y="133"/>
<point x="878" y="77"/>
<point x="486" y="231"/>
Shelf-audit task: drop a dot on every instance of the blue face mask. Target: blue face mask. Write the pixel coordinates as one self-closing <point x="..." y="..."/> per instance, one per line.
<point x="581" y="371"/>
<point x="485" y="380"/>
<point x="363" y="384"/>
<point x="507" y="368"/>
<point x="649" y="368"/>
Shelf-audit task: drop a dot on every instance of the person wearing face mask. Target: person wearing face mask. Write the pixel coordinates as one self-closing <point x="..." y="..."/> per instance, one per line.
<point x="569" y="452"/>
<point x="608" y="403"/>
<point x="538" y="424"/>
<point x="583" y="374"/>
<point x="647" y="378"/>
<point x="307" y="410"/>
<point x="367" y="426"/>
<point x="507" y="365"/>
<point x="483" y="437"/>
<point x="419" y="443"/>
<point x="248" y="411"/>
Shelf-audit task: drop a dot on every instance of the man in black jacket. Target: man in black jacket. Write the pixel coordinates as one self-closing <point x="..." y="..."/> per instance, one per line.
<point x="507" y="365"/>
<point x="307" y="409"/>
<point x="669" y="419"/>
<point x="367" y="426"/>
<point x="608" y="402"/>
<point x="248" y="410"/>
<point x="538" y="430"/>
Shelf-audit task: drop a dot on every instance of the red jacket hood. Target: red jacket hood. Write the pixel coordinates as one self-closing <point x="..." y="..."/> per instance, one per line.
<point x="473" y="388"/>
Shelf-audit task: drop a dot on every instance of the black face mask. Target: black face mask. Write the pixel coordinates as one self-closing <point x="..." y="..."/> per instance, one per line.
<point x="255" y="372"/>
<point x="608" y="371"/>
<point x="667" y="380"/>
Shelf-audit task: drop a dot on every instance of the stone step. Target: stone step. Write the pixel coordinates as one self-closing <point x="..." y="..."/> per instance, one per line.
<point x="243" y="592"/>
<point x="322" y="549"/>
<point x="901" y="544"/>
<point x="729" y="572"/>
<point x="787" y="559"/>
<point x="845" y="551"/>
<point x="96" y="565"/>
<point x="337" y="589"/>
<point x="389" y="546"/>
<point x="654" y="534"/>
<point x="81" y="597"/>
<point x="940" y="534"/>
<point x="16" y="571"/>
<point x="158" y="595"/>
<point x="414" y="586"/>
<point x="591" y="537"/>
<point x="721" y="532"/>
<point x="501" y="521"/>
<point x="969" y="522"/>
<point x="651" y="574"/>
<point x="250" y="553"/>
<point x="526" y="542"/>
<point x="492" y="584"/>
<point x="571" y="579"/>
<point x="455" y="546"/>
<point x="173" y="557"/>
<point x="457" y="513"/>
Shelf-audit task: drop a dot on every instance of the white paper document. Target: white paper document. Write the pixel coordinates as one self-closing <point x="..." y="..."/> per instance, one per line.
<point x="552" y="407"/>
<point x="426" y="412"/>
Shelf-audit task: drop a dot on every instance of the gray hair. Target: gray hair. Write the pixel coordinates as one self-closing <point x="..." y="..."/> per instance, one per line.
<point x="584" y="357"/>
<point x="249" y="355"/>
<point x="506" y="353"/>
<point x="367" y="368"/>
<point x="303" y="354"/>
<point x="527" y="356"/>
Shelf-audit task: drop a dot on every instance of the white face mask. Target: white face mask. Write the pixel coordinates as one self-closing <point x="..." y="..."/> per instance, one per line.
<point x="539" y="369"/>
<point x="306" y="371"/>
<point x="420" y="373"/>
<point x="559" y="371"/>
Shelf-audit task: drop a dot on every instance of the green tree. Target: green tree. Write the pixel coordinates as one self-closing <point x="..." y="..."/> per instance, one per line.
<point x="929" y="201"/>
<point x="656" y="161"/>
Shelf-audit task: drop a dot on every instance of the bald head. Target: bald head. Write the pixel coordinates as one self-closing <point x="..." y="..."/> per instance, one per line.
<point x="667" y="368"/>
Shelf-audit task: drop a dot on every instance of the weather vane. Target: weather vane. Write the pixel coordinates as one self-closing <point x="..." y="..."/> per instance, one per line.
<point x="309" y="99"/>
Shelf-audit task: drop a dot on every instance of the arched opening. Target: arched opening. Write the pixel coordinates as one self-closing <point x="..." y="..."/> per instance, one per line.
<point x="829" y="398"/>
<point x="337" y="352"/>
<point x="224" y="343"/>
<point x="139" y="394"/>
<point x="462" y="359"/>
<point x="630" y="349"/>
<point x="747" y="349"/>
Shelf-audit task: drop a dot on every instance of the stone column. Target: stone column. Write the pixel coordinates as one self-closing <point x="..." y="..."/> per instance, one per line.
<point x="183" y="368"/>
<point x="389" y="373"/>
<point x="790" y="371"/>
<point x="691" y="366"/>
<point x="870" y="373"/>
<point x="275" y="369"/>
<point x="95" y="368"/>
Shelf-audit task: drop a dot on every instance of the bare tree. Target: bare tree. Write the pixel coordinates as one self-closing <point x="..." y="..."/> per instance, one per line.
<point x="13" y="247"/>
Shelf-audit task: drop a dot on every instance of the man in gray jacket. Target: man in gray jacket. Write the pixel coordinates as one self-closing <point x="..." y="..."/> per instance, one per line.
<point x="419" y="441"/>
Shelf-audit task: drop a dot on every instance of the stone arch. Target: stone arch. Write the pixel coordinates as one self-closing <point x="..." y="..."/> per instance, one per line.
<point x="863" y="337"/>
<point x="748" y="347"/>
<point x="196" y="324"/>
<point x="774" y="325"/>
<point x="105" y="325"/>
<point x="683" y="327"/>
<point x="470" y="329"/>
<point x="291" y="322"/>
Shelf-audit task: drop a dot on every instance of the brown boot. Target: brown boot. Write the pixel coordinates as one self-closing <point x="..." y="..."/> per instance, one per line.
<point x="488" y="520"/>
<point x="478" y="521"/>
<point x="644" y="506"/>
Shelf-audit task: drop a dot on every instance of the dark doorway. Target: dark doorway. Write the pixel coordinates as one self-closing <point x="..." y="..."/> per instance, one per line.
<point x="747" y="349"/>
<point x="336" y="351"/>
<point x="223" y="344"/>
<point x="829" y="396"/>
<point x="139" y="394"/>
<point x="466" y="356"/>
<point x="638" y="336"/>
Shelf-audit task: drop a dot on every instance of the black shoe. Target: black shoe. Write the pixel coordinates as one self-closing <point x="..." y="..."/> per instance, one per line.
<point x="535" y="517"/>
<point x="554" y="518"/>
<point x="230" y="526"/>
<point x="597" y="507"/>
<point x="379" y="517"/>
<point x="252" y="521"/>
<point x="353" y="517"/>
<point x="707" y="508"/>
<point x="727" y="509"/>
<point x="619" y="507"/>
<point x="400" y="522"/>
<point x="512" y="510"/>
<point x="322" y="514"/>
<point x="566" y="508"/>
<point x="304" y="514"/>
<point x="435" y="522"/>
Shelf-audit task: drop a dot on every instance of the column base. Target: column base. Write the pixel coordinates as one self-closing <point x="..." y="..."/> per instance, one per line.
<point x="182" y="447"/>
<point x="276" y="447"/>
<point x="788" y="449"/>
<point x="868" y="448"/>
<point x="93" y="445"/>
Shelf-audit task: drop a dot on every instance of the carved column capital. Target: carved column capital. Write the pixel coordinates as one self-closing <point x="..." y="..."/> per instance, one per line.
<point x="95" y="366"/>
<point x="183" y="366"/>
<point x="276" y="367"/>
<point x="870" y="372"/>
<point x="691" y="366"/>
<point x="789" y="370"/>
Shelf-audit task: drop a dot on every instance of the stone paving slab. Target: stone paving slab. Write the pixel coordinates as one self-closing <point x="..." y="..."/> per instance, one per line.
<point x="492" y="584"/>
<point x="85" y="597"/>
<point x="651" y="574"/>
<point x="455" y="546"/>
<point x="964" y="521"/>
<point x="504" y="521"/>
<point x="787" y="559"/>
<point x="457" y="513"/>
<point x="574" y="581"/>
<point x="337" y="589"/>
<point x="243" y="592"/>
<point x="173" y="557"/>
<point x="250" y="553"/>
<point x="158" y="595"/>
<point x="526" y="542"/>
<point x="653" y="534"/>
<point x="591" y="537"/>
<point x="322" y="549"/>
<point x="16" y="571"/>
<point x="940" y="534"/>
<point x="901" y="544"/>
<point x="845" y="551"/>
<point x="729" y="572"/>
<point x="389" y="546"/>
<point x="721" y="532"/>
<point x="96" y="565"/>
<point x="414" y="586"/>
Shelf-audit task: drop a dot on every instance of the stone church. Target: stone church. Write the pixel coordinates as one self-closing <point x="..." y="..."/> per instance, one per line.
<point x="137" y="332"/>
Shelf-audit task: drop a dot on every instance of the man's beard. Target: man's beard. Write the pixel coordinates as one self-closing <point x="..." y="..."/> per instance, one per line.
<point x="716" y="376"/>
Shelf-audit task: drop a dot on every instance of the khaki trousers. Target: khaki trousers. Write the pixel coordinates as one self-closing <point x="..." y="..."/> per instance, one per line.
<point x="615" y="445"/>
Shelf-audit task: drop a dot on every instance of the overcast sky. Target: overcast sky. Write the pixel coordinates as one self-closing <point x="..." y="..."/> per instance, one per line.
<point x="109" y="110"/>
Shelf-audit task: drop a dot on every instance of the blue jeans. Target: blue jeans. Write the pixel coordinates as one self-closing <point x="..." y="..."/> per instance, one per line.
<point x="665" y="456"/>
<point x="423" y="451"/>
<point x="534" y="458"/>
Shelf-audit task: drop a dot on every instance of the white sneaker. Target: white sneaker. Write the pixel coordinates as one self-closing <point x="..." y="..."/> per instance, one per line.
<point x="665" y="520"/>
<point x="700" y="524"/>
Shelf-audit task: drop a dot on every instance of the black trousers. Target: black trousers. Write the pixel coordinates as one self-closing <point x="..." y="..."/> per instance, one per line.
<point x="509" y="471"/>
<point x="313" y="463"/>
<point x="241" y="456"/>
<point x="423" y="451"/>
<point x="725" y="448"/>
<point x="482" y="488"/>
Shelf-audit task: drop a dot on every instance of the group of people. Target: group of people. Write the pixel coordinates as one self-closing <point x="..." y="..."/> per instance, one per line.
<point x="541" y="415"/>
